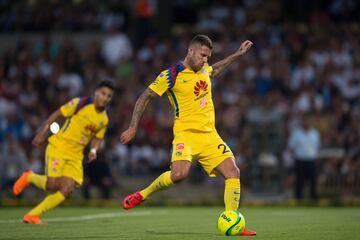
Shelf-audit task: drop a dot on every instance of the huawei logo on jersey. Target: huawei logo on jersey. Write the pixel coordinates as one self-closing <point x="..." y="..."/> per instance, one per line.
<point x="91" y="128"/>
<point x="201" y="85"/>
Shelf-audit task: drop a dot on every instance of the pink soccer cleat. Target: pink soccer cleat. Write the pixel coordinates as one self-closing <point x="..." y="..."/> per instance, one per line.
<point x="247" y="232"/>
<point x="132" y="200"/>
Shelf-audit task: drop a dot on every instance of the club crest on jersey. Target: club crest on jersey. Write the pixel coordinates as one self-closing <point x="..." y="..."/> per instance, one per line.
<point x="180" y="146"/>
<point x="178" y="153"/>
<point x="200" y="86"/>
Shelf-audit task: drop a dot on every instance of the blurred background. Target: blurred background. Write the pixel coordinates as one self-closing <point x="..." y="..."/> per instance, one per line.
<point x="305" y="62"/>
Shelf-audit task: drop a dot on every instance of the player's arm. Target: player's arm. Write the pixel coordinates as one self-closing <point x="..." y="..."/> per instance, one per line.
<point x="220" y="66"/>
<point x="95" y="144"/>
<point x="40" y="136"/>
<point x="139" y="109"/>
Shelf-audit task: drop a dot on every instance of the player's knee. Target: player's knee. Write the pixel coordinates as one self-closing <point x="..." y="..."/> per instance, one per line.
<point x="234" y="172"/>
<point x="52" y="184"/>
<point x="67" y="187"/>
<point x="179" y="176"/>
<point x="67" y="190"/>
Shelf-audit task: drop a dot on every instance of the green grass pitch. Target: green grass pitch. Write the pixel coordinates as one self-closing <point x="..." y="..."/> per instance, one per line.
<point x="181" y="223"/>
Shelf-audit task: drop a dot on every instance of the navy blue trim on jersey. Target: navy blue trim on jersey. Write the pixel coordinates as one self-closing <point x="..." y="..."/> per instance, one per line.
<point x="177" y="110"/>
<point x="82" y="103"/>
<point x="172" y="74"/>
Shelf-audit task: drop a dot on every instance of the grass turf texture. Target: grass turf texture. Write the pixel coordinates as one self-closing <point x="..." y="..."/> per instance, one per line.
<point x="181" y="223"/>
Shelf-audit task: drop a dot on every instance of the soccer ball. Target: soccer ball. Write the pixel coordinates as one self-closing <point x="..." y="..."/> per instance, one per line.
<point x="231" y="223"/>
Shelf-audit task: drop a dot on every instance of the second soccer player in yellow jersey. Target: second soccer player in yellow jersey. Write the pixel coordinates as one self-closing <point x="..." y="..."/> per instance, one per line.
<point x="86" y="122"/>
<point x="188" y="87"/>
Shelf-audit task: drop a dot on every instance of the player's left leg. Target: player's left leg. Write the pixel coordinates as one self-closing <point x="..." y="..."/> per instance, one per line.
<point x="231" y="173"/>
<point x="217" y="159"/>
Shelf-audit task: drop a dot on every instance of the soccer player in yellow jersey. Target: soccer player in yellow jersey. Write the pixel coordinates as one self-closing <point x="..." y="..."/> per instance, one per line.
<point x="188" y="86"/>
<point x="86" y="122"/>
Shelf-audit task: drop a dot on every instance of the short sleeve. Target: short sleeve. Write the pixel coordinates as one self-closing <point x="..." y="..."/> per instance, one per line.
<point x="208" y="68"/>
<point x="101" y="133"/>
<point x="161" y="83"/>
<point x="69" y="108"/>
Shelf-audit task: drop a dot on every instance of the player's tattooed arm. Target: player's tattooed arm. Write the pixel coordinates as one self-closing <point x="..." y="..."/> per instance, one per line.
<point x="140" y="106"/>
<point x="220" y="66"/>
<point x="139" y="109"/>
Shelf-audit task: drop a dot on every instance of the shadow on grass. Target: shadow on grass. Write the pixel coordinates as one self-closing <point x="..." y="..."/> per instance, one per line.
<point x="80" y="237"/>
<point x="181" y="233"/>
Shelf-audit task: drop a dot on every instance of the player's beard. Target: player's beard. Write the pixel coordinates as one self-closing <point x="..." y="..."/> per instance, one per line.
<point x="196" y="67"/>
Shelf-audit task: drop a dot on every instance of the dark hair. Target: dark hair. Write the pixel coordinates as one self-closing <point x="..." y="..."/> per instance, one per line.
<point x="106" y="83"/>
<point x="203" y="40"/>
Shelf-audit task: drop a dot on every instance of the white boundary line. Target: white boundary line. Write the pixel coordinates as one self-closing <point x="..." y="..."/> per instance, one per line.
<point x="92" y="217"/>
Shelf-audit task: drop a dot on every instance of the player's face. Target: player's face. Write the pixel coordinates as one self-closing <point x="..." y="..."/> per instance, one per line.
<point x="103" y="96"/>
<point x="198" y="55"/>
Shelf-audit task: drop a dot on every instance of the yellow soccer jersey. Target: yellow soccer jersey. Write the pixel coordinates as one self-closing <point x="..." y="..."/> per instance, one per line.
<point x="190" y="95"/>
<point x="81" y="125"/>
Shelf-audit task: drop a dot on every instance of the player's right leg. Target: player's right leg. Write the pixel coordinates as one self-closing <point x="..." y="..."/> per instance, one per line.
<point x="21" y="183"/>
<point x="53" y="168"/>
<point x="183" y="149"/>
<point x="179" y="171"/>
<point x="26" y="178"/>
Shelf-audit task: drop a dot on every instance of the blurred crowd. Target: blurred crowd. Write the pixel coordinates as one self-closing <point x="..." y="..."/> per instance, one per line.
<point x="293" y="68"/>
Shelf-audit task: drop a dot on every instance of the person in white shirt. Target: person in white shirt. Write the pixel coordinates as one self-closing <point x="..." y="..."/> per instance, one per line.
<point x="304" y="143"/>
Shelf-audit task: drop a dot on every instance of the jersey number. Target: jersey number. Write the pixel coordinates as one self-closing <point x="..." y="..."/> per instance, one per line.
<point x="225" y="149"/>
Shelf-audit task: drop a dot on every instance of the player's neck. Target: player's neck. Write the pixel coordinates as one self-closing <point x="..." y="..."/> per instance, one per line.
<point x="186" y="64"/>
<point x="99" y="109"/>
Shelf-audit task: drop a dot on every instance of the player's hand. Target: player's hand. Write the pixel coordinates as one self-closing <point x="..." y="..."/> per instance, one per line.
<point x="38" y="140"/>
<point x="245" y="46"/>
<point x="92" y="156"/>
<point x="127" y="135"/>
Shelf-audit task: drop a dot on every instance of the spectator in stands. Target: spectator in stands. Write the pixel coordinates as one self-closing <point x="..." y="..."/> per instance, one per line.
<point x="13" y="162"/>
<point x="116" y="47"/>
<point x="312" y="68"/>
<point x="305" y="143"/>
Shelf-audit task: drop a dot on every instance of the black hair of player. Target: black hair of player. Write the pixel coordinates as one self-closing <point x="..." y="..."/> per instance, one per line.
<point x="106" y="83"/>
<point x="203" y="40"/>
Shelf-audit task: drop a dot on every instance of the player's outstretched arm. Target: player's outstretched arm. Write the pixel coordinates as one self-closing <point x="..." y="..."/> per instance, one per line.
<point x="139" y="109"/>
<point x="40" y="136"/>
<point x="220" y="66"/>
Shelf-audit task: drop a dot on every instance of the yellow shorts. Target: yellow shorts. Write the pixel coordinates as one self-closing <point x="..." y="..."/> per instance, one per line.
<point x="207" y="148"/>
<point x="60" y="164"/>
